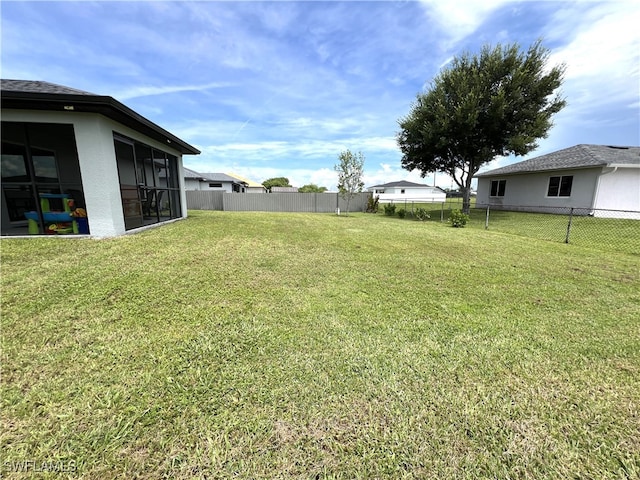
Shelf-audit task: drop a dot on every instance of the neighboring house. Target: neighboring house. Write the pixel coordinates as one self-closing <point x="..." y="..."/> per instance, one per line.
<point x="404" y="190"/>
<point x="284" y="189"/>
<point x="120" y="167"/>
<point x="252" y="187"/>
<point x="220" y="182"/>
<point x="584" y="176"/>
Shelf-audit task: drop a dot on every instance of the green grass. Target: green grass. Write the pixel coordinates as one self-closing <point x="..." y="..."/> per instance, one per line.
<point x="253" y="345"/>
<point x="605" y="234"/>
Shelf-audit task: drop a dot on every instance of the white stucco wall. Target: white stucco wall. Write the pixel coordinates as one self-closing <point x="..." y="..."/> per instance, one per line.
<point x="619" y="189"/>
<point x="96" y="154"/>
<point x="414" y="194"/>
<point x="193" y="184"/>
<point x="530" y="190"/>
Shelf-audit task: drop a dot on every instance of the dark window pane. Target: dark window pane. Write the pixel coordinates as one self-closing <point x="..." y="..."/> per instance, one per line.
<point x="554" y="186"/>
<point x="498" y="188"/>
<point x="126" y="164"/>
<point x="14" y="166"/>
<point x="18" y="199"/>
<point x="44" y="166"/>
<point x="565" y="186"/>
<point x="173" y="172"/>
<point x="160" y="168"/>
<point x="145" y="165"/>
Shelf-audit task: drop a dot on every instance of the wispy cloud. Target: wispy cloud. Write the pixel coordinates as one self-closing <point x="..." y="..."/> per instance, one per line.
<point x="147" y="90"/>
<point x="280" y="88"/>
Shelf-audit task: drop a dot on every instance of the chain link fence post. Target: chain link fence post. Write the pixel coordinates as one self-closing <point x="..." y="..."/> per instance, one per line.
<point x="566" y="240"/>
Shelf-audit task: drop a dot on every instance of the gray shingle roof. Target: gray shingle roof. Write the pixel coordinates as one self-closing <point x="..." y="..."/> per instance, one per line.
<point x="188" y="173"/>
<point x="578" y="156"/>
<point x="221" y="177"/>
<point x="401" y="183"/>
<point x="210" y="177"/>
<point x="39" y="95"/>
<point x="38" y="86"/>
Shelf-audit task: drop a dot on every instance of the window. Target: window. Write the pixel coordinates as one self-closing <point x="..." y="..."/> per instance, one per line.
<point x="36" y="159"/>
<point x="497" y="188"/>
<point x="215" y="185"/>
<point x="560" y="186"/>
<point x="149" y="184"/>
<point x="402" y="191"/>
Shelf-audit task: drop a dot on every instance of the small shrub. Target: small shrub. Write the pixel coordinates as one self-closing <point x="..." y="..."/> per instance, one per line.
<point x="402" y="212"/>
<point x="372" y="204"/>
<point x="458" y="219"/>
<point x="422" y="215"/>
<point x="390" y="209"/>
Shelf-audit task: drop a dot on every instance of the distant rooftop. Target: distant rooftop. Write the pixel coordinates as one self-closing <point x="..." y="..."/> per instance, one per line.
<point x="402" y="183"/>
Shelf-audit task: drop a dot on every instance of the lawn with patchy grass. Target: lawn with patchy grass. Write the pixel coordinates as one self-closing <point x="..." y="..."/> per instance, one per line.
<point x="253" y="345"/>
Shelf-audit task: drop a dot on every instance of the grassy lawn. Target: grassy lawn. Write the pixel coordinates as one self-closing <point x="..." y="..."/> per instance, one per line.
<point x="607" y="234"/>
<point x="253" y="345"/>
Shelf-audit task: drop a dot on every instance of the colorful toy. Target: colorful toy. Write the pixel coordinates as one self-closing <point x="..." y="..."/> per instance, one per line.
<point x="57" y="222"/>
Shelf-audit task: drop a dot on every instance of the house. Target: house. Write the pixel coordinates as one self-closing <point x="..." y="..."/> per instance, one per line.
<point x="66" y="149"/>
<point x="591" y="177"/>
<point x="252" y="187"/>
<point x="220" y="182"/>
<point x="284" y="189"/>
<point x="404" y="190"/>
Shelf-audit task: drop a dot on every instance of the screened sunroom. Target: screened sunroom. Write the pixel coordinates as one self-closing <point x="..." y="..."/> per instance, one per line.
<point x="75" y="163"/>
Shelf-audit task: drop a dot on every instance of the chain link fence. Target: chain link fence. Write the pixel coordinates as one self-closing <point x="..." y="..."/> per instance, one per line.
<point x="607" y="230"/>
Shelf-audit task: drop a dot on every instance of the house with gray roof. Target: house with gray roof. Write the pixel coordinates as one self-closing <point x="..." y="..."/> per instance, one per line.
<point x="404" y="190"/>
<point x="220" y="182"/>
<point x="599" y="179"/>
<point x="69" y="154"/>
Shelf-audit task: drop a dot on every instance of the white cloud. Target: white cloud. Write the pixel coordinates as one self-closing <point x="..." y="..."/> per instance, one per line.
<point x="459" y="18"/>
<point x="602" y="56"/>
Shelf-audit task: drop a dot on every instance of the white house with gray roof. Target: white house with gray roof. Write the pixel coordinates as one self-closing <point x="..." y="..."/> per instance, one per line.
<point x="590" y="177"/>
<point x="217" y="182"/>
<point x="65" y="149"/>
<point x="407" y="191"/>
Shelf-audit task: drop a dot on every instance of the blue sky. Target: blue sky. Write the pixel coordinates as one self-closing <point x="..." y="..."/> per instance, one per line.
<point x="269" y="89"/>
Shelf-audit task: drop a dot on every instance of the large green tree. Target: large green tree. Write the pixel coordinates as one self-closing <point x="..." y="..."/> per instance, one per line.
<point x="350" y="168"/>
<point x="496" y="103"/>
<point x="276" y="182"/>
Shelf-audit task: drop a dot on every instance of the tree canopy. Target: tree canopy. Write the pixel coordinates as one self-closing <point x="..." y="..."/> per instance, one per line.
<point x="497" y="103"/>
<point x="312" y="188"/>
<point x="276" y="182"/>
<point x="350" y="170"/>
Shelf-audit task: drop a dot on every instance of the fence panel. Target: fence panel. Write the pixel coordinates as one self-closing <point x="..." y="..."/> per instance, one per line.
<point x="204" y="200"/>
<point x="274" y="202"/>
<point x="611" y="230"/>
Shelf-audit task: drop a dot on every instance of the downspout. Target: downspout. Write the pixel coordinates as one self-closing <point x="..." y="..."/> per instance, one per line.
<point x="597" y="192"/>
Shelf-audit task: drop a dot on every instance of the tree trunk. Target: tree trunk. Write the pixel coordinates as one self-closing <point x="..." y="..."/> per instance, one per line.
<point x="466" y="200"/>
<point x="466" y="194"/>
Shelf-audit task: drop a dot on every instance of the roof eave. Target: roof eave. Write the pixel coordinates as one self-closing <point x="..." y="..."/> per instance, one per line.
<point x="104" y="105"/>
